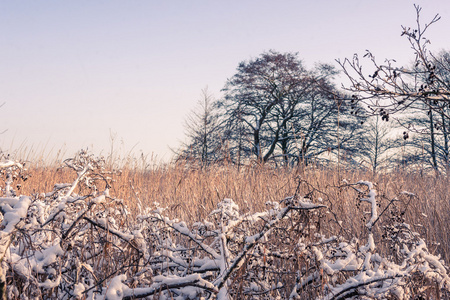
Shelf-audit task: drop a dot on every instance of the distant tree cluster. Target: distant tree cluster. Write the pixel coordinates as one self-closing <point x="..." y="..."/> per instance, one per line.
<point x="274" y="109"/>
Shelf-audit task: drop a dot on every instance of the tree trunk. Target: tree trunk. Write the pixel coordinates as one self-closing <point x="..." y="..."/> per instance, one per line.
<point x="257" y="146"/>
<point x="284" y="146"/>
<point x="375" y="158"/>
<point x="445" y="133"/>
<point x="433" y="143"/>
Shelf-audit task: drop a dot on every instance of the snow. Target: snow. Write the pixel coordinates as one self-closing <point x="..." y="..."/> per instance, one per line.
<point x="65" y="246"/>
<point x="19" y="211"/>
<point x="78" y="290"/>
<point x="116" y="287"/>
<point x="371" y="199"/>
<point x="10" y="163"/>
<point x="223" y="294"/>
<point x="47" y="257"/>
<point x="49" y="284"/>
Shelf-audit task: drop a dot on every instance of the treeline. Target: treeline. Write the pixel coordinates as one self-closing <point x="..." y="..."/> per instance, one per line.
<point x="274" y="109"/>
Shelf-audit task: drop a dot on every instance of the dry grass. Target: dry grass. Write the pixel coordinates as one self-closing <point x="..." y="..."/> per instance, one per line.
<point x="190" y="194"/>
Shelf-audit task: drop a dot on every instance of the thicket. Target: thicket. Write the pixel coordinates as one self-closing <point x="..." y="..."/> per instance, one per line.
<point x="81" y="241"/>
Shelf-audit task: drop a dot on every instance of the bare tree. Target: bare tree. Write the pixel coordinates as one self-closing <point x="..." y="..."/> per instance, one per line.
<point x="282" y="109"/>
<point x="202" y="132"/>
<point x="422" y="90"/>
<point x="389" y="88"/>
<point x="254" y="93"/>
<point x="378" y="144"/>
<point x="324" y="123"/>
<point x="427" y="137"/>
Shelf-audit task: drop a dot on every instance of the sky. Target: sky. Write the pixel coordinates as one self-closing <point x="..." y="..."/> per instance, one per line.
<point x="122" y="76"/>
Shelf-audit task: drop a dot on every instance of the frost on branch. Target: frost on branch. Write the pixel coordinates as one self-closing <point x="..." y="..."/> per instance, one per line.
<point x="348" y="269"/>
<point x="79" y="242"/>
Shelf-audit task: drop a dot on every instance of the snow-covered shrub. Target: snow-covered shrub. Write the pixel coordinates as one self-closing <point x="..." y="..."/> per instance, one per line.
<point x="78" y="242"/>
<point x="354" y="269"/>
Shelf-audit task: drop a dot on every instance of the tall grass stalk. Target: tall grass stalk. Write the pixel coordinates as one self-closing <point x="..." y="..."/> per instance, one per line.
<point x="190" y="193"/>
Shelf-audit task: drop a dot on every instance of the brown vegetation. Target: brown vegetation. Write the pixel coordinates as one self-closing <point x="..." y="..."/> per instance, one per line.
<point x="190" y="194"/>
<point x="297" y="233"/>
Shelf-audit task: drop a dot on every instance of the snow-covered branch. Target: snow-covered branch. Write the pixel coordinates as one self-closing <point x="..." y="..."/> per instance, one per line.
<point x="64" y="245"/>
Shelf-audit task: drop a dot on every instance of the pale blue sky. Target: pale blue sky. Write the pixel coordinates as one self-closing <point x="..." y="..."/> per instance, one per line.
<point x="72" y="72"/>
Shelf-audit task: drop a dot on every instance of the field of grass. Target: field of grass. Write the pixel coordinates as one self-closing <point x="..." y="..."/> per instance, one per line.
<point x="191" y="193"/>
<point x="96" y="229"/>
